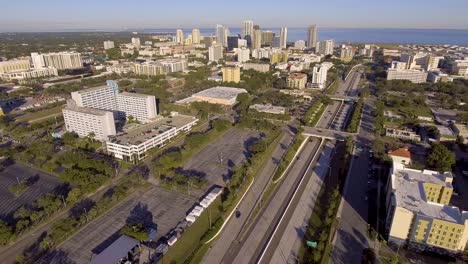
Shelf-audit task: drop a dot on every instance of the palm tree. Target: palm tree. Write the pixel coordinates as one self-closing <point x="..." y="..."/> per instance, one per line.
<point x="91" y="136"/>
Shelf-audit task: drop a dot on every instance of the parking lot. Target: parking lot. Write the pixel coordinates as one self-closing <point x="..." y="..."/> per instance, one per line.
<point x="40" y="183"/>
<point x="216" y="162"/>
<point x="155" y="207"/>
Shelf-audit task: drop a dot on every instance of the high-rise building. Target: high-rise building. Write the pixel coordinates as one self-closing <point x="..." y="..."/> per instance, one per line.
<point x="276" y="42"/>
<point x="160" y="67"/>
<point x="243" y="54"/>
<point x="279" y="57"/>
<point x="220" y="35"/>
<point x="215" y="52"/>
<point x="136" y="43"/>
<point x="227" y="32"/>
<point x="256" y="37"/>
<point x="180" y="36"/>
<point x="232" y="42"/>
<point x="414" y="76"/>
<point x="247" y="28"/>
<point x="241" y="43"/>
<point x="267" y="38"/>
<point x="346" y="53"/>
<point x="108" y="44"/>
<point x="312" y="37"/>
<point x="14" y="65"/>
<point x="208" y="40"/>
<point x="140" y="107"/>
<point x="60" y="60"/>
<point x="231" y="74"/>
<point x="325" y="47"/>
<point x="319" y="76"/>
<point x="418" y="211"/>
<point x="195" y="36"/>
<point x="283" y="37"/>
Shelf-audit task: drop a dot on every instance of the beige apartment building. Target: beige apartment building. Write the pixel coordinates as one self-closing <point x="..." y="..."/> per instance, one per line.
<point x="14" y="65"/>
<point x="231" y="74"/>
<point x="297" y="80"/>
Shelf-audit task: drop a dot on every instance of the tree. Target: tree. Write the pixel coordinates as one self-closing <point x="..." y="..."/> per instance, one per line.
<point x="441" y="158"/>
<point x="73" y="196"/>
<point x="113" y="53"/>
<point x="91" y="136"/>
<point x="136" y="231"/>
<point x="69" y="138"/>
<point x="6" y="232"/>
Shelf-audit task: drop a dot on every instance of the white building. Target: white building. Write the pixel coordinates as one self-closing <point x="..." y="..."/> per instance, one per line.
<point x="29" y="74"/>
<point x="141" y="107"/>
<point x="247" y="28"/>
<point x="180" y="36"/>
<point x="300" y="44"/>
<point x="268" y="108"/>
<point x="84" y="121"/>
<point x="241" y="43"/>
<point x="136" y="43"/>
<point x="283" y="37"/>
<point x="108" y="44"/>
<point x="414" y="76"/>
<point x="160" y="67"/>
<point x="215" y="53"/>
<point x="121" y="68"/>
<point x="101" y="97"/>
<point x="319" y="76"/>
<point x="460" y="67"/>
<point x="243" y="54"/>
<point x="14" y="65"/>
<point x="325" y="47"/>
<point x="221" y="35"/>
<point x="59" y="60"/>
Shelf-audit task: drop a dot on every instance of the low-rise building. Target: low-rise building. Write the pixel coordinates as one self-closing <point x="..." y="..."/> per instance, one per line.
<point x="121" y="68"/>
<point x="260" y="67"/>
<point x="215" y="95"/>
<point x="437" y="76"/>
<point x="419" y="214"/>
<point x="29" y="74"/>
<point x="414" y="76"/>
<point x="402" y="133"/>
<point x="14" y="65"/>
<point x="461" y="130"/>
<point x="279" y="57"/>
<point x="268" y="108"/>
<point x="124" y="250"/>
<point x="401" y="156"/>
<point x="297" y="80"/>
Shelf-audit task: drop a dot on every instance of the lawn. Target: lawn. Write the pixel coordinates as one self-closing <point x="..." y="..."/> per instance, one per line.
<point x="40" y="114"/>
<point x="190" y="239"/>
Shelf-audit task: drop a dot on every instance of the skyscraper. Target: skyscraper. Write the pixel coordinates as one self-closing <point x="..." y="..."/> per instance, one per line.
<point x="220" y="34"/>
<point x="226" y="34"/>
<point x="195" y="36"/>
<point x="247" y="28"/>
<point x="215" y="52"/>
<point x="312" y="36"/>
<point x="283" y="37"/>
<point x="180" y="36"/>
<point x="232" y="42"/>
<point x="267" y="38"/>
<point x="256" y="37"/>
<point x="325" y="47"/>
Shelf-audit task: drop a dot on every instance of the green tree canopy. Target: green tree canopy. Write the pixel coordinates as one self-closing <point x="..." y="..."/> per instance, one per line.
<point x="441" y="158"/>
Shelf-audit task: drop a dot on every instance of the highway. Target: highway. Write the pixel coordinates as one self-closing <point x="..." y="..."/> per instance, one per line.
<point x="233" y="228"/>
<point x="259" y="233"/>
<point x="329" y="114"/>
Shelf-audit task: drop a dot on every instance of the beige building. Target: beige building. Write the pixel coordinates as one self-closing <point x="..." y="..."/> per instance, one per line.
<point x="58" y="60"/>
<point x="279" y="57"/>
<point x="29" y="74"/>
<point x="414" y="76"/>
<point x="231" y="74"/>
<point x="14" y="65"/>
<point x="260" y="67"/>
<point x="461" y="130"/>
<point x="401" y="156"/>
<point x="297" y="80"/>
<point x="419" y="214"/>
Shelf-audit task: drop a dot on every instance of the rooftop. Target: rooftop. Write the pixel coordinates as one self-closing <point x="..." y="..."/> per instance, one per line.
<point x="116" y="251"/>
<point x="93" y="89"/>
<point x="218" y="92"/>
<point x="409" y="193"/>
<point x="134" y="95"/>
<point x="297" y="76"/>
<point x="401" y="152"/>
<point x="142" y="133"/>
<point x="86" y="110"/>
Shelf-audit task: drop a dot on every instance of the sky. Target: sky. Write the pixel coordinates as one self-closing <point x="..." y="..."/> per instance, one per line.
<point x="53" y="15"/>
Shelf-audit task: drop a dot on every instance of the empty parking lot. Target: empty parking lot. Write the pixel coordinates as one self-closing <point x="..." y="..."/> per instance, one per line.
<point x="216" y="161"/>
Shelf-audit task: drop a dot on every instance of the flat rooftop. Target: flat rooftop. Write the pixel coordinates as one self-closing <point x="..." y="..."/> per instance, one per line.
<point x="409" y="193"/>
<point x="87" y="110"/>
<point x="135" y="95"/>
<point x="218" y="92"/>
<point x="142" y="133"/>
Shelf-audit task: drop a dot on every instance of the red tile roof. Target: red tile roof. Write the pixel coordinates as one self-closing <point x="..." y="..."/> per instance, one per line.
<point x="401" y="152"/>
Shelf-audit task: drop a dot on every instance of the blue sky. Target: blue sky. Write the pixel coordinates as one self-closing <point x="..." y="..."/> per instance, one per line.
<point x="31" y="15"/>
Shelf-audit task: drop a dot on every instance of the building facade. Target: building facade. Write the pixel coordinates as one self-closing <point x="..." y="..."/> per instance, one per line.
<point x="260" y="67"/>
<point x="319" y="76"/>
<point x="180" y="36"/>
<point x="85" y="121"/>
<point x="325" y="47"/>
<point x="297" y="80"/>
<point x="60" y="60"/>
<point x="195" y="36"/>
<point x="283" y="37"/>
<point x="231" y="74"/>
<point x="108" y="44"/>
<point x="29" y="74"/>
<point x="414" y="76"/>
<point x="247" y="28"/>
<point x="14" y="65"/>
<point x="312" y="36"/>
<point x="215" y="52"/>
<point x="243" y="55"/>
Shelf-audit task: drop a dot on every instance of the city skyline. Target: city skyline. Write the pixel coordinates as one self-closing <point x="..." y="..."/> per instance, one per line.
<point x="54" y="15"/>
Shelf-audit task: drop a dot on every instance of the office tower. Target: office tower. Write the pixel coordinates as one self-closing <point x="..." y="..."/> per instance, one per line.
<point x="60" y="60"/>
<point x="243" y="55"/>
<point x="180" y="36"/>
<point x="231" y="74"/>
<point x="267" y="38"/>
<point x="84" y="121"/>
<point x="136" y="43"/>
<point x="14" y="65"/>
<point x="215" y="52"/>
<point x="325" y="47"/>
<point x="319" y="76"/>
<point x="247" y="28"/>
<point x="299" y="44"/>
<point x="226" y="34"/>
<point x="283" y="37"/>
<point x="195" y="36"/>
<point x="241" y="43"/>
<point x="232" y="42"/>
<point x="256" y="37"/>
<point x="312" y="36"/>
<point x="108" y="44"/>
<point x="276" y="42"/>
<point x="220" y="35"/>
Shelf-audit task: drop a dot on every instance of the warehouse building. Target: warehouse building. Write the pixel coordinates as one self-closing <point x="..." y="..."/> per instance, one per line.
<point x="216" y="95"/>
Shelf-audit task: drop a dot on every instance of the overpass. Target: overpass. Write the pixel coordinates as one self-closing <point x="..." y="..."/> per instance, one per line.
<point x="327" y="133"/>
<point x="345" y="98"/>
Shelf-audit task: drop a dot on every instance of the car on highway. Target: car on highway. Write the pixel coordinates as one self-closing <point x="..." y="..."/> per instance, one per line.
<point x="238" y="213"/>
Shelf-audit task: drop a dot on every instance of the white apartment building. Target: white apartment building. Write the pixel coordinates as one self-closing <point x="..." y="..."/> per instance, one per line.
<point x="215" y="53"/>
<point x="299" y="44"/>
<point x="133" y="145"/>
<point x="14" y="65"/>
<point x="261" y="53"/>
<point x="83" y="121"/>
<point x="283" y="37"/>
<point x="319" y="76"/>
<point x="109" y="44"/>
<point x="136" y="43"/>
<point x="243" y="54"/>
<point x="29" y="74"/>
<point x="180" y="36"/>
<point x="121" y="68"/>
<point x="242" y="43"/>
<point x="247" y="28"/>
<point x="312" y="36"/>
<point x="101" y="97"/>
<point x="59" y="60"/>
<point x="414" y="76"/>
<point x="325" y="47"/>
<point x="141" y="107"/>
<point x="460" y="67"/>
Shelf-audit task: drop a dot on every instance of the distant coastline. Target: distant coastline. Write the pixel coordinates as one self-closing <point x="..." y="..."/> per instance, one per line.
<point x="342" y="35"/>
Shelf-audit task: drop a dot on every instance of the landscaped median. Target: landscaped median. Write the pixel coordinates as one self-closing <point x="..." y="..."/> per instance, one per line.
<point x="315" y="112"/>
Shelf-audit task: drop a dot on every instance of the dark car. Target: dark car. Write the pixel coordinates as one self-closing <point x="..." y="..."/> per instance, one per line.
<point x="238" y="213"/>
